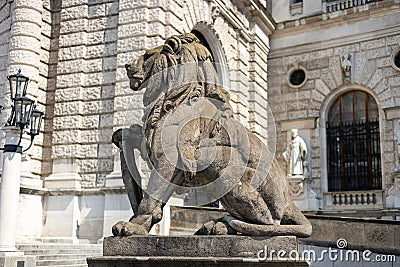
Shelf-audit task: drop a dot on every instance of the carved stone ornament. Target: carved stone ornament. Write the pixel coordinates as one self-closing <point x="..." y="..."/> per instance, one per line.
<point x="347" y="66"/>
<point x="296" y="188"/>
<point x="215" y="12"/>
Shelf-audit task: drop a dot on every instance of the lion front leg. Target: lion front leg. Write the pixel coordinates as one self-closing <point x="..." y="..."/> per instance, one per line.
<point x="132" y="228"/>
<point x="160" y="188"/>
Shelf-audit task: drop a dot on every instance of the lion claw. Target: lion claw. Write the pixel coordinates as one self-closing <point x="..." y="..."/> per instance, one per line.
<point x="128" y="229"/>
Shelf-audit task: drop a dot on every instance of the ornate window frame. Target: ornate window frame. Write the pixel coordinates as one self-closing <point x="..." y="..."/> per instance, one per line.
<point x="291" y="70"/>
<point x="394" y="54"/>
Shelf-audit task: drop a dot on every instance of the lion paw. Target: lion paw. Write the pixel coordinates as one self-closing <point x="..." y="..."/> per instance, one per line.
<point x="128" y="229"/>
<point x="215" y="228"/>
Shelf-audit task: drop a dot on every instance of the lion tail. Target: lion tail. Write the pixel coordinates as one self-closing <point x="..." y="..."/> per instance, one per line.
<point x="303" y="230"/>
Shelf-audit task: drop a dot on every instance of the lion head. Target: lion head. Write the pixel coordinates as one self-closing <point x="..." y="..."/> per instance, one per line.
<point x="182" y="59"/>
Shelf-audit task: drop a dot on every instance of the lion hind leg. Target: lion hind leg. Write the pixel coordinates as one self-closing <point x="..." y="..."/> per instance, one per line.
<point x="245" y="228"/>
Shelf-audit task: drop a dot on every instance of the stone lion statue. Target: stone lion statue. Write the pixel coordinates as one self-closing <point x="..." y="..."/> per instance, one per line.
<point x="190" y="138"/>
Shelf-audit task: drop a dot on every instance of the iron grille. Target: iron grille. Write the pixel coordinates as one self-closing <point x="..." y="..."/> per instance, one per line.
<point x="354" y="161"/>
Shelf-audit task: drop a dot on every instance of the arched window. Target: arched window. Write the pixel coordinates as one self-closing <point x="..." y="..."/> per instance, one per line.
<point x="204" y="42"/>
<point x="209" y="40"/>
<point x="354" y="161"/>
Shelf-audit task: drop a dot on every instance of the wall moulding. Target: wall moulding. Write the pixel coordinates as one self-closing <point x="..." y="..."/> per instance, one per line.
<point x="308" y="123"/>
<point x="392" y="113"/>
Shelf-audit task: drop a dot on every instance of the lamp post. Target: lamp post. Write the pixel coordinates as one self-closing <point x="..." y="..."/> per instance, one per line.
<point x="23" y="115"/>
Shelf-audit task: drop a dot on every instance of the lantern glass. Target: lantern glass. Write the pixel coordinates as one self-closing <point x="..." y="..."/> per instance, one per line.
<point x="36" y="121"/>
<point x="11" y="119"/>
<point x="18" y="84"/>
<point x="23" y="110"/>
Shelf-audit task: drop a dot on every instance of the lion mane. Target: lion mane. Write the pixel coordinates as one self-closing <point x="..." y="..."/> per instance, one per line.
<point x="177" y="70"/>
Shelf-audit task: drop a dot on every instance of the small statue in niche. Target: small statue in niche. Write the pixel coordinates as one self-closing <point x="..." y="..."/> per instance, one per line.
<point x="215" y="12"/>
<point x="397" y="139"/>
<point x="295" y="154"/>
<point x="347" y="66"/>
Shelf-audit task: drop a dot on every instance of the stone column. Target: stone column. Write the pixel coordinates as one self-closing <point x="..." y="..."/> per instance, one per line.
<point x="9" y="202"/>
<point x="26" y="35"/>
<point x="9" y="190"/>
<point x="24" y="52"/>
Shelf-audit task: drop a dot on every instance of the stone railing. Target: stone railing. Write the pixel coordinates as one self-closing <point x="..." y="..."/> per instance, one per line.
<point x="332" y="6"/>
<point x="373" y="199"/>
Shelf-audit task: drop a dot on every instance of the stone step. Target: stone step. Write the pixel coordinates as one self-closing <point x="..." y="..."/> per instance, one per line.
<point x="65" y="256"/>
<point x="61" y="262"/>
<point x="69" y="246"/>
<point x="61" y="251"/>
<point x="61" y="255"/>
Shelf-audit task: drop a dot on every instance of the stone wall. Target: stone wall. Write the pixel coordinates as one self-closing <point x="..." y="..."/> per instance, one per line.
<point x="379" y="236"/>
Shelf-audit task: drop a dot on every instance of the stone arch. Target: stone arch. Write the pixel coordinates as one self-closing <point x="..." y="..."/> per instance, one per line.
<point x="324" y="110"/>
<point x="216" y="50"/>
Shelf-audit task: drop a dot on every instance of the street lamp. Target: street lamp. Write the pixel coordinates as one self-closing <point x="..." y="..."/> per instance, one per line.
<point x="23" y="115"/>
<point x="23" y="112"/>
<point x="18" y="84"/>
<point x="35" y="123"/>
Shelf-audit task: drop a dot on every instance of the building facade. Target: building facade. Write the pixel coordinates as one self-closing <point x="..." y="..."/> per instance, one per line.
<point x="334" y="74"/>
<point x="301" y="60"/>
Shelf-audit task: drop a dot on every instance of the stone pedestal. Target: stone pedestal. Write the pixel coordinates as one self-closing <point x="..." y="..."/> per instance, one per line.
<point x="393" y="195"/>
<point x="303" y="195"/>
<point x="196" y="251"/>
<point x="16" y="259"/>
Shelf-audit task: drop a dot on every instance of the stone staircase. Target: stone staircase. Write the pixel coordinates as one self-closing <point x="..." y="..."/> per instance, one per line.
<point x="61" y="254"/>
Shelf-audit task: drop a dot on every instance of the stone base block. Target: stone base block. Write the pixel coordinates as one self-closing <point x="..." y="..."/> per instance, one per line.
<point x="195" y="246"/>
<point x="196" y="251"/>
<point x="186" y="261"/>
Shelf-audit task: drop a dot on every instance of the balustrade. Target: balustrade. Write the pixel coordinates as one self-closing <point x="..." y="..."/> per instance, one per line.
<point x="333" y="6"/>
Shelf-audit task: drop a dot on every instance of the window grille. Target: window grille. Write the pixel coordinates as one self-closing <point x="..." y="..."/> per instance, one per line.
<point x="354" y="160"/>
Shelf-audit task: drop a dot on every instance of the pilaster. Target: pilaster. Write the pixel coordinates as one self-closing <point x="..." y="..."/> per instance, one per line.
<point x="61" y="205"/>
